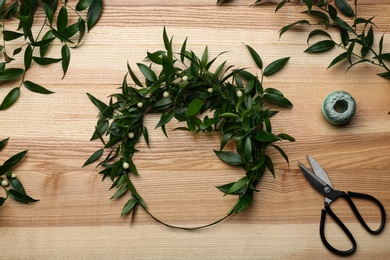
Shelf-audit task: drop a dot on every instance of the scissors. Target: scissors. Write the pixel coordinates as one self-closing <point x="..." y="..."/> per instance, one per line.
<point x="320" y="180"/>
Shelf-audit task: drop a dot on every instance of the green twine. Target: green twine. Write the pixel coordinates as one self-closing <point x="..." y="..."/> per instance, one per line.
<point x="338" y="107"/>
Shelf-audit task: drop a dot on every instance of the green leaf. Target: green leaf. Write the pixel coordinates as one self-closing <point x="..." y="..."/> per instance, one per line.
<point x="3" y="143"/>
<point x="2" y="200"/>
<point x="385" y="75"/>
<point x="194" y="107"/>
<point x="338" y="59"/>
<point x="360" y="20"/>
<point x="121" y="191"/>
<point x="10" y="35"/>
<point x="62" y="19"/>
<point x="65" y="55"/>
<point x="228" y="115"/>
<point x="17" y="185"/>
<point x="130" y="204"/>
<point x="224" y="188"/>
<point x="96" y="155"/>
<point x="266" y="137"/>
<point x="17" y="51"/>
<point x="45" y="61"/>
<point x="81" y="25"/>
<point x="275" y="66"/>
<point x="165" y="118"/>
<point x="71" y="30"/>
<point x="345" y="8"/>
<point x="83" y="4"/>
<point x="230" y="157"/>
<point x="270" y="165"/>
<point x="321" y="46"/>
<point x="10" y="99"/>
<point x="147" y="72"/>
<point x="49" y="11"/>
<point x="167" y="43"/>
<point x="36" y="88"/>
<point x="280" y="150"/>
<point x="28" y="57"/>
<point x="133" y="76"/>
<point x="2" y="2"/>
<point x="248" y="149"/>
<point x="94" y="12"/>
<point x="99" y="104"/>
<point x="12" y="162"/>
<point x="225" y="139"/>
<point x="344" y="37"/>
<point x="277" y="100"/>
<point x="10" y="74"/>
<point x="183" y="50"/>
<point x="146" y="135"/>
<point x="286" y="137"/>
<point x="290" y="26"/>
<point x="322" y="16"/>
<point x="244" y="202"/>
<point x="318" y="32"/>
<point x="280" y="5"/>
<point x="162" y="102"/>
<point x="350" y="51"/>
<point x="205" y="57"/>
<point x="332" y="12"/>
<point x="20" y="196"/>
<point x="241" y="183"/>
<point x="344" y="25"/>
<point x="255" y="57"/>
<point x="46" y="39"/>
<point x="258" y="164"/>
<point x="60" y="36"/>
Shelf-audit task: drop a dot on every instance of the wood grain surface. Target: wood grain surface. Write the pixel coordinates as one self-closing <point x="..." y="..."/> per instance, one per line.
<point x="75" y="219"/>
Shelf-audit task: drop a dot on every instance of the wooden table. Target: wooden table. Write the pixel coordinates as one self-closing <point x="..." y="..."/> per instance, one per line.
<point x="75" y="218"/>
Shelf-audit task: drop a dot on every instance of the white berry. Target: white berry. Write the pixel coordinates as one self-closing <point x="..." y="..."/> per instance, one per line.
<point x="130" y="135"/>
<point x="166" y="94"/>
<point x="125" y="165"/>
<point x="210" y="90"/>
<point x="184" y="78"/>
<point x="239" y="93"/>
<point x="13" y="175"/>
<point x="4" y="183"/>
<point x="140" y="104"/>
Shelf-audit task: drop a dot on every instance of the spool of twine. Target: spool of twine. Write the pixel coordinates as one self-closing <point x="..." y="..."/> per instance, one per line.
<point x="338" y="107"/>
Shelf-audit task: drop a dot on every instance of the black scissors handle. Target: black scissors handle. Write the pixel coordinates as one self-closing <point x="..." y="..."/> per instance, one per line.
<point x="344" y="228"/>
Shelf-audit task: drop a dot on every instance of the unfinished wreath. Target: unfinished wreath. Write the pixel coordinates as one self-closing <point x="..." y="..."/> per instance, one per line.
<point x="230" y="100"/>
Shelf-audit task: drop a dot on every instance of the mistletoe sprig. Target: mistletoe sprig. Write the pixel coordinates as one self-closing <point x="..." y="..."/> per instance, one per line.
<point x="57" y="26"/>
<point x="8" y="178"/>
<point x="225" y="100"/>
<point x="357" y="37"/>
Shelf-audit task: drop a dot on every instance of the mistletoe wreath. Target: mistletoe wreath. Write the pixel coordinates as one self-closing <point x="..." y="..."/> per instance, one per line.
<point x="231" y="101"/>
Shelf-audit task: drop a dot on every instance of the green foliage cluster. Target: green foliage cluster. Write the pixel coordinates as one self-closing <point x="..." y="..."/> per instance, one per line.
<point x="17" y="191"/>
<point x="57" y="25"/>
<point x="226" y="100"/>
<point x="357" y="37"/>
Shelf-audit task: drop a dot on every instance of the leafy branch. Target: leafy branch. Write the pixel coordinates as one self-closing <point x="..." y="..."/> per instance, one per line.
<point x="55" y="27"/>
<point x="357" y="38"/>
<point x="226" y="100"/>
<point x="8" y="178"/>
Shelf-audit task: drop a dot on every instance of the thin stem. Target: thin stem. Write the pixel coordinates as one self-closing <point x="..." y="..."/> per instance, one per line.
<point x="188" y="228"/>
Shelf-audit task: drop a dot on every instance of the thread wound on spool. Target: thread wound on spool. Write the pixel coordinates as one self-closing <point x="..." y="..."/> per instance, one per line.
<point x="338" y="107"/>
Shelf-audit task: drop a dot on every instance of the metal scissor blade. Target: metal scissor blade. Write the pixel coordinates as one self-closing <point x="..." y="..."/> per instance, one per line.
<point x="320" y="185"/>
<point x="314" y="180"/>
<point x="319" y="171"/>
